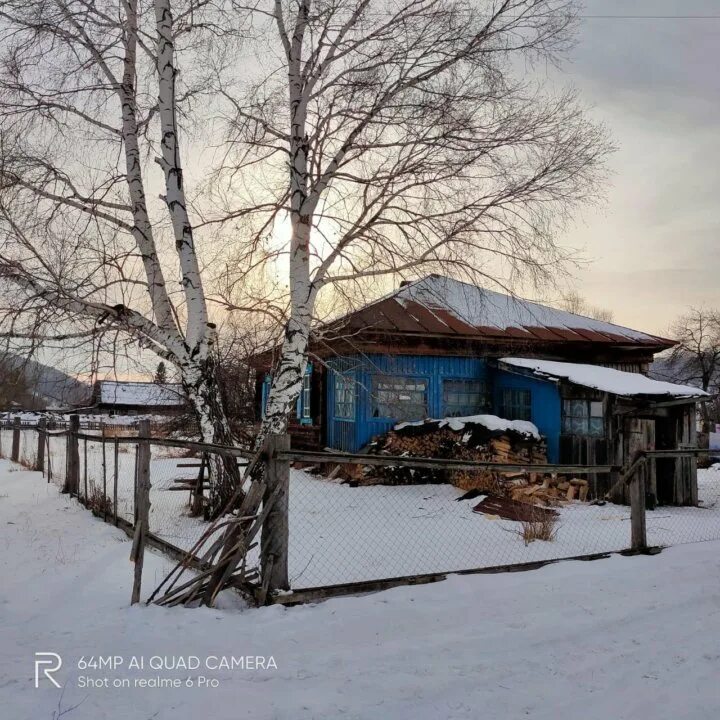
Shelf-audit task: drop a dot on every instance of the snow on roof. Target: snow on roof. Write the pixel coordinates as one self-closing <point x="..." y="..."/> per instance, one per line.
<point x="141" y="393"/>
<point x="602" y="378"/>
<point x="480" y="307"/>
<point x="491" y="422"/>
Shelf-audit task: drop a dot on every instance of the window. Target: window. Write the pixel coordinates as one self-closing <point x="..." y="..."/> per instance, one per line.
<point x="399" y="398"/>
<point x="344" y="397"/>
<point x="515" y="404"/>
<point x="583" y="417"/>
<point x="306" y="394"/>
<point x="464" y="397"/>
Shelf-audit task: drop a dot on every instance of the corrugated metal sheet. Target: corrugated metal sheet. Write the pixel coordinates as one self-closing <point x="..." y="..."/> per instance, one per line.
<point x="441" y="306"/>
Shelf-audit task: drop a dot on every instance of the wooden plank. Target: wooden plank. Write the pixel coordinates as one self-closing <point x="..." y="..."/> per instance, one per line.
<point x="305" y="595"/>
<point x="447" y="464"/>
<point x="638" y="533"/>
<point x="142" y="504"/>
<point x="275" y="532"/>
<point x="72" y="474"/>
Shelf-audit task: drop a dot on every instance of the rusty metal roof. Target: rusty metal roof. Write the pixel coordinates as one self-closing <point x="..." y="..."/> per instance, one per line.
<point x="443" y="306"/>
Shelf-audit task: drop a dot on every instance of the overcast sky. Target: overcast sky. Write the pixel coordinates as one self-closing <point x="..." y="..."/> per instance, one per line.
<point x="656" y="244"/>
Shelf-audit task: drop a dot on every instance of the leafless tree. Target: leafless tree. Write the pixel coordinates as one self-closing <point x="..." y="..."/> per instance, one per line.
<point x="574" y="302"/>
<point x="90" y="95"/>
<point x="399" y="137"/>
<point x="695" y="360"/>
<point x="376" y="138"/>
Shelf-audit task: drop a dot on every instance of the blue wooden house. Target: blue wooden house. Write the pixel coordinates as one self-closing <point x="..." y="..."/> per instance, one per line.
<point x="439" y="348"/>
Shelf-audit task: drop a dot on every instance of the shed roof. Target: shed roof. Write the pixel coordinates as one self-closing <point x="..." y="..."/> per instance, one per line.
<point x="605" y="379"/>
<point x="440" y="305"/>
<point x="145" y="394"/>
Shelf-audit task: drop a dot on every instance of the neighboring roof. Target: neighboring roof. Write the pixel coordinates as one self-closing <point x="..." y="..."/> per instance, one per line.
<point x="438" y="305"/>
<point x="141" y="393"/>
<point x="609" y="380"/>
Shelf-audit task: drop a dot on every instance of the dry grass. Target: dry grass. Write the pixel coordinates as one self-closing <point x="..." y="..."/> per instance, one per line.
<point x="542" y="526"/>
<point x="98" y="502"/>
<point x="704" y="462"/>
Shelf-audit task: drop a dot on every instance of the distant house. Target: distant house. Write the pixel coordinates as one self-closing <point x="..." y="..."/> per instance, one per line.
<point x="135" y="398"/>
<point x="438" y="347"/>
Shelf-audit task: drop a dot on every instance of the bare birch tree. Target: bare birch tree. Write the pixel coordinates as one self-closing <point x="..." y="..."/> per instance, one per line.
<point x="90" y="94"/>
<point x="402" y="137"/>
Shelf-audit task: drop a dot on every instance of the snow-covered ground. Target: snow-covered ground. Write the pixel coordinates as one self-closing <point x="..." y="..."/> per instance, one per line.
<point x="621" y="638"/>
<point x="342" y="534"/>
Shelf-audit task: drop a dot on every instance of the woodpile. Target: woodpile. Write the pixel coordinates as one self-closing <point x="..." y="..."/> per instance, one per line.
<point x="548" y="490"/>
<point x="479" y="443"/>
<point x="470" y="441"/>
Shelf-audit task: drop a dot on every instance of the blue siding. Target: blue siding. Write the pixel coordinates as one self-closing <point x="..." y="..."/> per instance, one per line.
<point x="362" y="368"/>
<point x="545" y="406"/>
<point x="353" y="434"/>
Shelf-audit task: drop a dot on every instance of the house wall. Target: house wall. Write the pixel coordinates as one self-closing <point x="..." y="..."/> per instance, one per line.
<point x="353" y="434"/>
<point x="545" y="406"/>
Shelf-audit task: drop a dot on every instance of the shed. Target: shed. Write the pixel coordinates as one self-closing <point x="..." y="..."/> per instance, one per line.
<point x="607" y="416"/>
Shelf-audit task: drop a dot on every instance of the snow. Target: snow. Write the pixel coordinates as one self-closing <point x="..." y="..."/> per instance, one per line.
<point x="603" y="378"/>
<point x="141" y="393"/>
<point x="340" y="533"/>
<point x="491" y="422"/>
<point x="481" y="307"/>
<point x="620" y="638"/>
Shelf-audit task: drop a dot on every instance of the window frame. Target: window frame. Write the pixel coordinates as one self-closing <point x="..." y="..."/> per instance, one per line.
<point x="306" y="395"/>
<point x="508" y="410"/>
<point x="483" y="393"/>
<point x="580" y="423"/>
<point x="344" y="386"/>
<point x="376" y="403"/>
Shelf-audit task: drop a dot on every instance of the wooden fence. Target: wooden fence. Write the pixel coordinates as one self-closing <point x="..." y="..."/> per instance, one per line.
<point x="275" y="535"/>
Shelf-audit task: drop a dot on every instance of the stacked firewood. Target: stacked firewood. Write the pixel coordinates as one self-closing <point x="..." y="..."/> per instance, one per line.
<point x="548" y="490"/>
<point x="473" y="442"/>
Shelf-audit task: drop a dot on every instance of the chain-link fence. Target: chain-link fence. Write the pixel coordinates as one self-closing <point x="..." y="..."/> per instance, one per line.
<point x="347" y="531"/>
<point x="348" y="525"/>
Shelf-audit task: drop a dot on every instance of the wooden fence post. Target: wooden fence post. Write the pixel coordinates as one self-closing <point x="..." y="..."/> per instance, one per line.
<point x="638" y="532"/>
<point x="15" y="452"/>
<point x="40" y="456"/>
<point x="142" y="507"/>
<point x="275" y="532"/>
<point x="72" y="471"/>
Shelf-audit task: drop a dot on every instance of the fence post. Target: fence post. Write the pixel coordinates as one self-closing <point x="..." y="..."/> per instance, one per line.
<point x="142" y="507"/>
<point x="638" y="532"/>
<point x="15" y="452"/>
<point x="40" y="456"/>
<point x="275" y="531"/>
<point x="72" y="473"/>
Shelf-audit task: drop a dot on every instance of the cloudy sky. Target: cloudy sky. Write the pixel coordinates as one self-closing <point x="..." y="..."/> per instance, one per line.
<point x="655" y="246"/>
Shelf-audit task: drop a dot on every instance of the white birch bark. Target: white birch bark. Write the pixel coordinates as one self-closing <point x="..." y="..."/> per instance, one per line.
<point x="288" y="375"/>
<point x="197" y="321"/>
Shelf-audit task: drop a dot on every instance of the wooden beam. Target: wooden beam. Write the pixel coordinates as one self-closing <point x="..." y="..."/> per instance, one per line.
<point x="436" y="463"/>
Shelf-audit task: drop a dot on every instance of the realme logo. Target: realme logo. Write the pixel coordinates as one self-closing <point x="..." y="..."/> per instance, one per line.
<point x="43" y="659"/>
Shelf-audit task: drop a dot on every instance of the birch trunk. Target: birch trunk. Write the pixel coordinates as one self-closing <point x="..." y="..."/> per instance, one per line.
<point x="200" y="384"/>
<point x="288" y="376"/>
